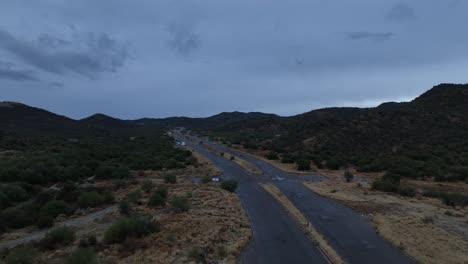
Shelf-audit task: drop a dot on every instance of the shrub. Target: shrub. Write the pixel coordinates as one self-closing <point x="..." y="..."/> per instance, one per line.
<point x="15" y="193"/>
<point x="104" y="172"/>
<point x="391" y="177"/>
<point x="232" y="158"/>
<point x="162" y="191"/>
<point x="385" y="185"/>
<point x="349" y="176"/>
<point x="16" y="217"/>
<point x="121" y="173"/>
<point x="333" y="164"/>
<point x="58" y="236"/>
<point x="197" y="255"/>
<point x="157" y="200"/>
<point x="406" y="191"/>
<point x="90" y="199"/>
<point x="229" y="185"/>
<point x="180" y="203"/>
<point x="134" y="196"/>
<point x="272" y="156"/>
<point x="3" y="201"/>
<point x="303" y="164"/>
<point x="124" y="207"/>
<point x="82" y="256"/>
<point x="54" y="208"/>
<point x="21" y="255"/>
<point x="170" y="178"/>
<point x="45" y="221"/>
<point x="119" y="184"/>
<point x="147" y="186"/>
<point x="221" y="154"/>
<point x="130" y="227"/>
<point x="287" y="159"/>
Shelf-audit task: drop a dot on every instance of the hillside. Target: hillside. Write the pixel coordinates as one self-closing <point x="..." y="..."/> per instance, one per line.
<point x="422" y="138"/>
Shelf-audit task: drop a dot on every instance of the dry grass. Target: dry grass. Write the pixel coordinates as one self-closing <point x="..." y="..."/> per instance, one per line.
<point x="422" y="227"/>
<point x="249" y="167"/>
<point x="305" y="224"/>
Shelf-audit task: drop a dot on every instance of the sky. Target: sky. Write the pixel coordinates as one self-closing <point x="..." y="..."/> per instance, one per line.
<point x="158" y="58"/>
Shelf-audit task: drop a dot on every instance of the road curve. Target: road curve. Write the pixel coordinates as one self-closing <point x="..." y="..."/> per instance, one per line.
<point x="349" y="233"/>
<point x="276" y="237"/>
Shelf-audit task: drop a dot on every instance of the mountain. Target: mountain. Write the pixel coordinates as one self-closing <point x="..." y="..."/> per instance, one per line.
<point x="425" y="137"/>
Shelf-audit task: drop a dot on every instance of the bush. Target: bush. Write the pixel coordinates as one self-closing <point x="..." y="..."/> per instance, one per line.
<point x="82" y="256"/>
<point x="272" y="156"/>
<point x="197" y="255"/>
<point x="333" y="164"/>
<point x="349" y="176"/>
<point x="391" y="177"/>
<point x="157" y="200"/>
<point x="59" y="236"/>
<point x="21" y="255"/>
<point x="130" y="227"/>
<point x="121" y="173"/>
<point x="15" y="193"/>
<point x="170" y="178"/>
<point x="124" y="207"/>
<point x="134" y="196"/>
<point x="406" y="191"/>
<point x="104" y="172"/>
<point x="54" y="208"/>
<point x="90" y="199"/>
<point x="180" y="203"/>
<point x="385" y="185"/>
<point x="45" y="221"/>
<point x="232" y="158"/>
<point x="229" y="185"/>
<point x="303" y="164"/>
<point x="147" y="186"/>
<point x="16" y="217"/>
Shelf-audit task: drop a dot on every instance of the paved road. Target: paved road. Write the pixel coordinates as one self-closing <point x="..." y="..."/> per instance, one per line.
<point x="75" y="222"/>
<point x="276" y="237"/>
<point x="350" y="234"/>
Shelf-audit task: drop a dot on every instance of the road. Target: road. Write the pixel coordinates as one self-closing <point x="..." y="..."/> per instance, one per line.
<point x="349" y="233"/>
<point x="276" y="237"/>
<point x="75" y="222"/>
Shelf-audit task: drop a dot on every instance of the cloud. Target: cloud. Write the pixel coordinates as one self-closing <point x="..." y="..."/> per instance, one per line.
<point x="401" y="12"/>
<point x="99" y="54"/>
<point x="183" y="41"/>
<point x="373" y="36"/>
<point x="8" y="72"/>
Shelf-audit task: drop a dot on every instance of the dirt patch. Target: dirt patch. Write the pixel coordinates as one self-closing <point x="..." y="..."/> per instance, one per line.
<point x="320" y="241"/>
<point x="424" y="228"/>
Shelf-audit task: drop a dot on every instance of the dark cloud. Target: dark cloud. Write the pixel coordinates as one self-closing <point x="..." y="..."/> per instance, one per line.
<point x="100" y="54"/>
<point x="373" y="36"/>
<point x="401" y="12"/>
<point x="8" y="72"/>
<point x="183" y="41"/>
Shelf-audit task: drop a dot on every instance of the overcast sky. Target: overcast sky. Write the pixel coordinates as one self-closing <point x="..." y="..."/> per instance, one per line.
<point x="158" y="58"/>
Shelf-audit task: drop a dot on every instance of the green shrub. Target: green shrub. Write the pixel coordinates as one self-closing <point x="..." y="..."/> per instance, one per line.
<point x="124" y="207"/>
<point x="170" y="178"/>
<point x="406" y="191"/>
<point x="90" y="199"/>
<point x="54" y="208"/>
<point x="333" y="164"/>
<point x="391" y="177"/>
<point x="60" y="236"/>
<point x="82" y="256"/>
<point x="197" y="255"/>
<point x="4" y="202"/>
<point x="303" y="164"/>
<point x="147" y="186"/>
<point x="104" y="172"/>
<point x="162" y="191"/>
<point x="157" y="200"/>
<point x="15" y="193"/>
<point x="16" y="217"/>
<point x="21" y="255"/>
<point x="134" y="196"/>
<point x="45" y="221"/>
<point x="229" y="185"/>
<point x="232" y="158"/>
<point x="180" y="204"/>
<point x="272" y="155"/>
<point x="385" y="185"/>
<point x="130" y="227"/>
<point x="349" y="176"/>
<point x="121" y="173"/>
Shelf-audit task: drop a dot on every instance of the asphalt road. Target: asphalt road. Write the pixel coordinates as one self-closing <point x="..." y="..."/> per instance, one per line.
<point x="349" y="233"/>
<point x="276" y="237"/>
